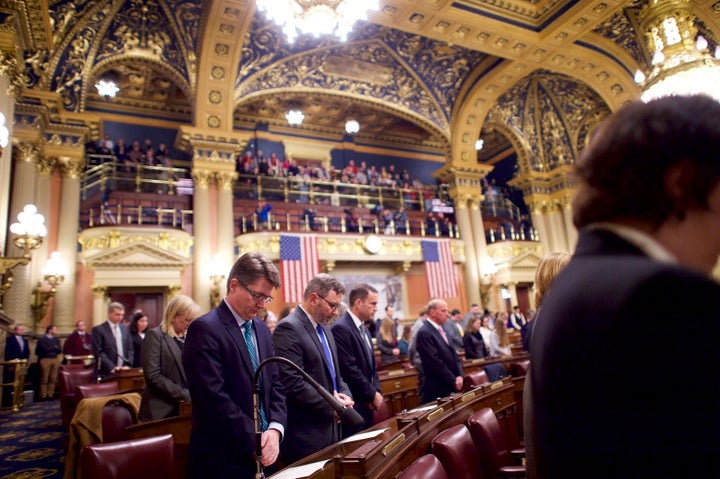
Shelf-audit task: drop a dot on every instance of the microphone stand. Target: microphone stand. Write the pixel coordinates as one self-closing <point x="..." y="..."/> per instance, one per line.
<point x="347" y="415"/>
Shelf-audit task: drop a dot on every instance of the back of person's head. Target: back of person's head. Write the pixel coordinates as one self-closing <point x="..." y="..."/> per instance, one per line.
<point x="623" y="171"/>
<point x="548" y="268"/>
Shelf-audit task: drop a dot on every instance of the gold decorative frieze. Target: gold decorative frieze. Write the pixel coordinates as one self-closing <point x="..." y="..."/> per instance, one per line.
<point x="107" y="238"/>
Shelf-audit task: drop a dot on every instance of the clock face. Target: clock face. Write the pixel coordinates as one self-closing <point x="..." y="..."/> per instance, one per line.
<point x="373" y="244"/>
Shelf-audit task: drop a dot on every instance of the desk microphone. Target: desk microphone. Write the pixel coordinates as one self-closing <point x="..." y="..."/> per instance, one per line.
<point x="347" y="415"/>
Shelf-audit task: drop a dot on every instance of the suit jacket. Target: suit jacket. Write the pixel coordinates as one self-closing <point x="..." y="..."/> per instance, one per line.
<point x="602" y="394"/>
<point x="165" y="382"/>
<point x="357" y="365"/>
<point x="76" y="345"/>
<point x="453" y="334"/>
<point x="12" y="348"/>
<point x="440" y="363"/>
<point x="105" y="350"/>
<point x="137" y="341"/>
<point x="219" y="374"/>
<point x="311" y="421"/>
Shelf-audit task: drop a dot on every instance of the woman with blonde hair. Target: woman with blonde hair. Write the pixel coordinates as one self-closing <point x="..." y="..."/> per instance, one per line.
<point x="165" y="381"/>
<point x="387" y="342"/>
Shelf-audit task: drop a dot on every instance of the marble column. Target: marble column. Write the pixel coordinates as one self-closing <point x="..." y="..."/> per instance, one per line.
<point x="64" y="310"/>
<point x="100" y="303"/>
<point x="472" y="276"/>
<point x="202" y="244"/>
<point x="538" y="219"/>
<point x="226" y="223"/>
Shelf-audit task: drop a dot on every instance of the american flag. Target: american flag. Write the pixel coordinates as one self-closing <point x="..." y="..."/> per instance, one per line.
<point x="439" y="268"/>
<point x="298" y="264"/>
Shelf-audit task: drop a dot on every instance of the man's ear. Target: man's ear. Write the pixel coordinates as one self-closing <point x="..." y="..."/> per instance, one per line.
<point x="679" y="184"/>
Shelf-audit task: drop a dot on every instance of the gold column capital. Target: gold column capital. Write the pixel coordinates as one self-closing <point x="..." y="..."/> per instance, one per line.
<point x="99" y="292"/>
<point x="202" y="178"/>
<point x="225" y="180"/>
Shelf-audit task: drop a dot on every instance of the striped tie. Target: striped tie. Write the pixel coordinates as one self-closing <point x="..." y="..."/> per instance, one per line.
<point x="254" y="360"/>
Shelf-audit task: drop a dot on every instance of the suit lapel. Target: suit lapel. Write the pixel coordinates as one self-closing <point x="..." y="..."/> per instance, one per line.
<point x="307" y="324"/>
<point x="233" y="329"/>
<point x="175" y="351"/>
<point x="362" y="338"/>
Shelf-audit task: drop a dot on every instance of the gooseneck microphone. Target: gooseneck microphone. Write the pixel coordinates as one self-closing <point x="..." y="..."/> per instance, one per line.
<point x="347" y="415"/>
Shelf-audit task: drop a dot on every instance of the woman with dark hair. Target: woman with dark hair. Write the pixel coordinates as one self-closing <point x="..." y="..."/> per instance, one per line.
<point x="473" y="342"/>
<point x="138" y="327"/>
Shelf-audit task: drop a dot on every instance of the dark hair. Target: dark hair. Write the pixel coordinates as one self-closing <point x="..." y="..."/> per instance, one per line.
<point x="454" y="312"/>
<point x="623" y="171"/>
<point x="322" y="284"/>
<point x="361" y="292"/>
<point x="135" y="318"/>
<point x="253" y="266"/>
<point x="47" y="330"/>
<point x="285" y="311"/>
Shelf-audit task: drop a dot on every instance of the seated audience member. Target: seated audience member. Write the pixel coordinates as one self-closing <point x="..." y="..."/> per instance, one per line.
<point x="387" y="342"/>
<point x="473" y="341"/>
<point x="138" y="328"/>
<point x="499" y="341"/>
<point x="404" y="341"/>
<point x="165" y="382"/>
<point x="647" y="210"/>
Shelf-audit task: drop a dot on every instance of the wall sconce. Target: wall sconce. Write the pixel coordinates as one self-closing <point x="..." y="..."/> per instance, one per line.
<point x="54" y="273"/>
<point x="28" y="234"/>
<point x="217" y="276"/>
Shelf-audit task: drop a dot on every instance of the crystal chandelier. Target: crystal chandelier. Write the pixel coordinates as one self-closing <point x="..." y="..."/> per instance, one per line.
<point x="681" y="63"/>
<point x="319" y="17"/>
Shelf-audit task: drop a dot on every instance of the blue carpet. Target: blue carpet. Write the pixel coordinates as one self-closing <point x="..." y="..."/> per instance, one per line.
<point x="31" y="442"/>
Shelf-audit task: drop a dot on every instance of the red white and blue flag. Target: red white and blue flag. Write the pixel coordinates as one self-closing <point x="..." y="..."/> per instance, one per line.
<point x="439" y="268"/>
<point x="298" y="264"/>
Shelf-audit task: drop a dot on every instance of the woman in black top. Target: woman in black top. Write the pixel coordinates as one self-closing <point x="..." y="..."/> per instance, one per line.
<point x="473" y="340"/>
<point x="138" y="326"/>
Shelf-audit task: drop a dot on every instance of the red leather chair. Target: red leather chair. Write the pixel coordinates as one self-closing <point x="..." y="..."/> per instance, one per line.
<point x="96" y="390"/>
<point x="116" y="417"/>
<point x="495" y="459"/>
<point x="456" y="451"/>
<point x="520" y="368"/>
<point x="68" y="379"/>
<point x="475" y="378"/>
<point x="382" y="414"/>
<point x="147" y="458"/>
<point x="425" y="467"/>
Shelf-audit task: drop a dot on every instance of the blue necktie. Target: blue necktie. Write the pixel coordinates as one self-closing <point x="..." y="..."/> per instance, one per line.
<point x="254" y="360"/>
<point x="328" y="356"/>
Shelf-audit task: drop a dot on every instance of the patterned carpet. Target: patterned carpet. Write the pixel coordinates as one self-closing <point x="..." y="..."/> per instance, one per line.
<point x="31" y="442"/>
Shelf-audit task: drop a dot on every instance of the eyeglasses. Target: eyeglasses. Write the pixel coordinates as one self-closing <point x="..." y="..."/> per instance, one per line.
<point x="333" y="306"/>
<point x="258" y="296"/>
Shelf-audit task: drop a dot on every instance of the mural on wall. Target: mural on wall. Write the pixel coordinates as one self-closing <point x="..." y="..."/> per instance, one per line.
<point x="389" y="290"/>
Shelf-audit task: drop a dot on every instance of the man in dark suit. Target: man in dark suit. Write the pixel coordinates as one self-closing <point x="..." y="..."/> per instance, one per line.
<point x="16" y="347"/>
<point x="111" y="342"/>
<point x="441" y="366"/>
<point x="305" y="338"/>
<point x="648" y="211"/>
<point x="356" y="355"/>
<point x="221" y="353"/>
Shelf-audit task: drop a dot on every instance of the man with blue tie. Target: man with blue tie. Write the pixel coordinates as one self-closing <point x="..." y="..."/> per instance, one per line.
<point x="222" y="351"/>
<point x="305" y="338"/>
<point x="355" y="351"/>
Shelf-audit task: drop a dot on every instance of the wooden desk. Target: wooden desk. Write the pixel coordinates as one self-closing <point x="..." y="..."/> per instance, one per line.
<point x="128" y="379"/>
<point x="399" y="387"/>
<point x="408" y="435"/>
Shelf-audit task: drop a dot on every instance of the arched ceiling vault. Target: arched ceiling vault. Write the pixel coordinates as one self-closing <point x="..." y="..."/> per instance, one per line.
<point x="425" y="73"/>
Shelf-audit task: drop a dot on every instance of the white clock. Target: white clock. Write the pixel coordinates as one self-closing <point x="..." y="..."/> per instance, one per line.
<point x="372" y="244"/>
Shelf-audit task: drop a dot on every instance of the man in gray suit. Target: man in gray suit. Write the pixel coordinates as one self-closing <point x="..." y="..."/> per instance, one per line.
<point x="305" y="338"/>
<point x="454" y="330"/>
<point x="111" y="342"/>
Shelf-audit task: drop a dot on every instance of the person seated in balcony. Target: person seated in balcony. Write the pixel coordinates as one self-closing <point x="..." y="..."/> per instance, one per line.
<point x="263" y="214"/>
<point x="263" y="166"/>
<point x="352" y="221"/>
<point x="134" y="157"/>
<point x="400" y="218"/>
<point x="274" y="165"/>
<point x="431" y="225"/>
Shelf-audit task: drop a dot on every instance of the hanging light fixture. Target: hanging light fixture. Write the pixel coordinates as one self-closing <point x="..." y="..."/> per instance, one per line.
<point x="107" y="86"/>
<point x="681" y="63"/>
<point x="352" y="127"/>
<point x="318" y="17"/>
<point x="294" y="117"/>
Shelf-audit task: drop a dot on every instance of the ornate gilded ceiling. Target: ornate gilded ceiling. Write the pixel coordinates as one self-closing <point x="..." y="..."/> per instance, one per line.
<point x="425" y="73"/>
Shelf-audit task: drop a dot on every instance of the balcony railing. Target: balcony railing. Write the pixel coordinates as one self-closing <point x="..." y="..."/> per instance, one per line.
<point x="113" y="176"/>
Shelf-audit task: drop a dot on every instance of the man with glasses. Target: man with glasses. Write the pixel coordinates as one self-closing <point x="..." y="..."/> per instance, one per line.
<point x="222" y="351"/>
<point x="305" y="338"/>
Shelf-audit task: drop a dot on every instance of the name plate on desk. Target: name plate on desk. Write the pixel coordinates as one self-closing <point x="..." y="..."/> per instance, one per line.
<point x="396" y="372"/>
<point x="394" y="444"/>
<point x="435" y="414"/>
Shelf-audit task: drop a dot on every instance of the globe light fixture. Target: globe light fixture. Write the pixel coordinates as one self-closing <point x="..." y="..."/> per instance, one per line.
<point x="352" y="127"/>
<point x="294" y="117"/>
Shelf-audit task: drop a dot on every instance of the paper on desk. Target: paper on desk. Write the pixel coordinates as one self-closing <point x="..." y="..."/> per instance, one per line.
<point x="364" y="435"/>
<point x="423" y="408"/>
<point x="298" y="472"/>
